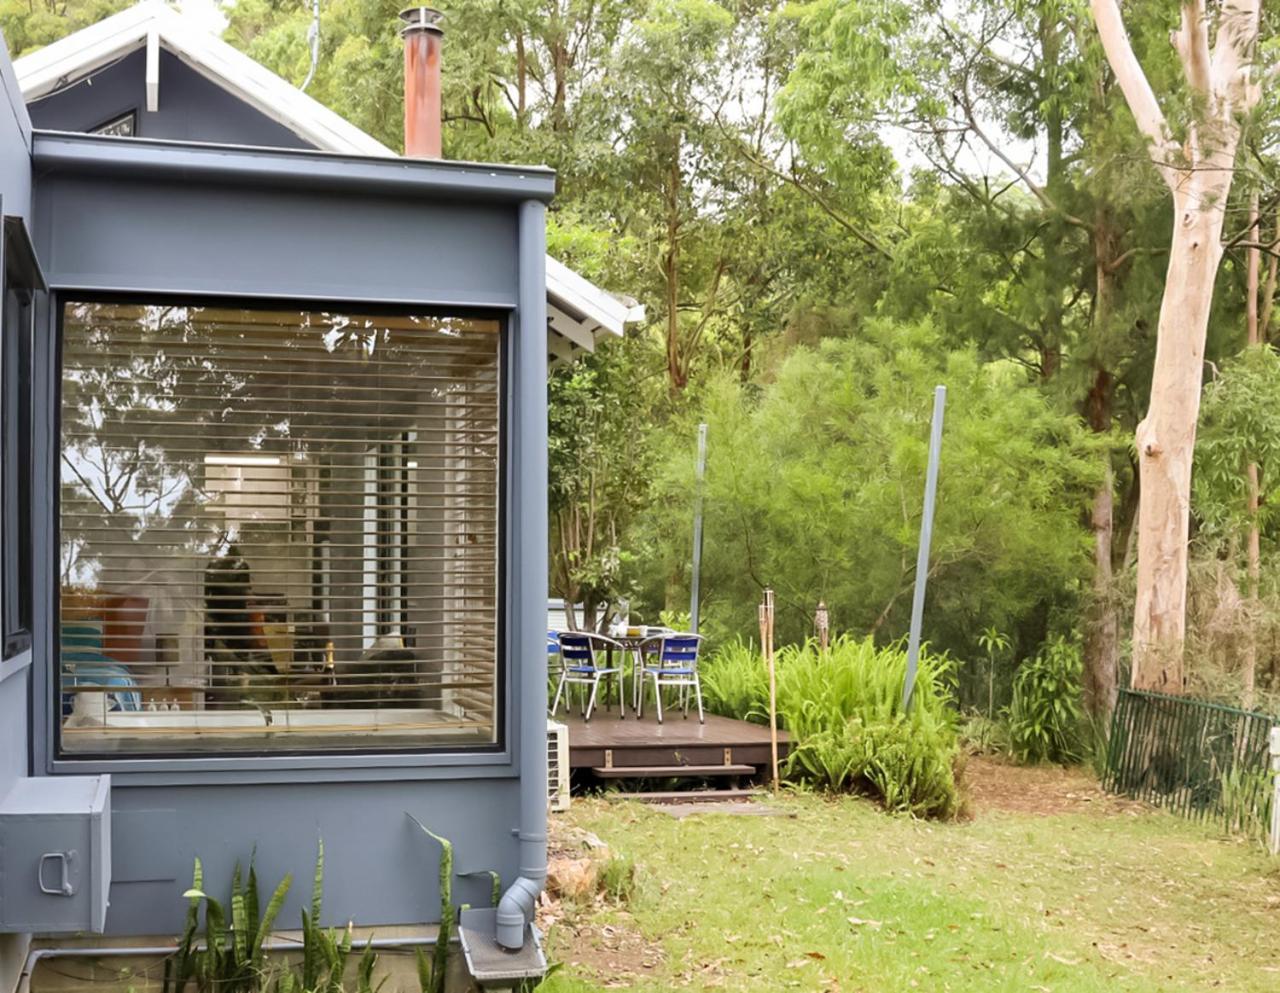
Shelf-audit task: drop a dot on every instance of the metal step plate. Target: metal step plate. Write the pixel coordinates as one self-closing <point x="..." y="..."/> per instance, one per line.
<point x="491" y="965"/>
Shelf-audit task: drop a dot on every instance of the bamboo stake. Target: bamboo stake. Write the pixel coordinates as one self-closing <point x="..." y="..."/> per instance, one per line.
<point x="766" y="643"/>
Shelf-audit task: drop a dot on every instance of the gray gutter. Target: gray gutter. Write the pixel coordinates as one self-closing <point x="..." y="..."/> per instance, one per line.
<point x="64" y="152"/>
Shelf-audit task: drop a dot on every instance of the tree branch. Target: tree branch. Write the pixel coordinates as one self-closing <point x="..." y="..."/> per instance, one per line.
<point x="1134" y="84"/>
<point x="1191" y="41"/>
<point x="1036" y="189"/>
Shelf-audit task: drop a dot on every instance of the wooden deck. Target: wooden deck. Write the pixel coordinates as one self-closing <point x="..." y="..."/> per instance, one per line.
<point x="643" y="742"/>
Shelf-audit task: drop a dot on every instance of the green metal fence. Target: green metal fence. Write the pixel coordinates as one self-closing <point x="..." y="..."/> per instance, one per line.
<point x="1198" y="759"/>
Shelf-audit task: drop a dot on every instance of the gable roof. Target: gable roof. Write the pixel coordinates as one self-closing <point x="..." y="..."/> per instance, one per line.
<point x="579" y="312"/>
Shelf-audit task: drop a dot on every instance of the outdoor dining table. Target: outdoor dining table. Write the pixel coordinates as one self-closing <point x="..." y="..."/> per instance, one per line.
<point x="634" y="646"/>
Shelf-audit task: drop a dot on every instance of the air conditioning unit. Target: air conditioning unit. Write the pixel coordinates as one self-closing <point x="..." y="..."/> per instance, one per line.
<point x="557" y="766"/>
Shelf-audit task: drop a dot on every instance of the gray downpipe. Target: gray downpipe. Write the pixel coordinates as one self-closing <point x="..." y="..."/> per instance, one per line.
<point x="528" y="656"/>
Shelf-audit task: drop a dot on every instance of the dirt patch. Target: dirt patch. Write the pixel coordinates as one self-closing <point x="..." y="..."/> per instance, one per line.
<point x="996" y="786"/>
<point x="614" y="954"/>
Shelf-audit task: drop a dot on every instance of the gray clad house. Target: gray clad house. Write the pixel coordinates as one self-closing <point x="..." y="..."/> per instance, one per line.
<point x="273" y="472"/>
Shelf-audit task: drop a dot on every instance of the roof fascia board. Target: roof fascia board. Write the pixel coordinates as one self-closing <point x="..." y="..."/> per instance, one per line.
<point x="585" y="297"/>
<point x="54" y="151"/>
<point x="84" y="51"/>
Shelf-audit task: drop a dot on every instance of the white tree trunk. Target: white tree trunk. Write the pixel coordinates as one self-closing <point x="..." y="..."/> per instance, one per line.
<point x="1167" y="435"/>
<point x="1198" y="171"/>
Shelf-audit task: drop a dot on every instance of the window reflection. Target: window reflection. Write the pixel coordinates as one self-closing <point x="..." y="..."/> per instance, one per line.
<point x="278" y="530"/>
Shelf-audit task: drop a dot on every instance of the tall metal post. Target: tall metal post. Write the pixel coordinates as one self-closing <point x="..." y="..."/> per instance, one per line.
<point x="700" y="474"/>
<point x="926" y="535"/>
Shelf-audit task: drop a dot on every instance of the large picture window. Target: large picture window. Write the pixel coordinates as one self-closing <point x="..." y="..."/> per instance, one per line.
<point x="279" y="530"/>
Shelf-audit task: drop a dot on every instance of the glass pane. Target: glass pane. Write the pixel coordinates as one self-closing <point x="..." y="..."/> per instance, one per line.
<point x="279" y="530"/>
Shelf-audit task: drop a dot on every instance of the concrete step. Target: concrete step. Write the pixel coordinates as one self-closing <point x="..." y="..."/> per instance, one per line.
<point x="688" y="796"/>
<point x="671" y="771"/>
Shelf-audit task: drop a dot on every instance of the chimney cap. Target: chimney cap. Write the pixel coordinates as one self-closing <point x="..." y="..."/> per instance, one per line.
<point x="421" y="19"/>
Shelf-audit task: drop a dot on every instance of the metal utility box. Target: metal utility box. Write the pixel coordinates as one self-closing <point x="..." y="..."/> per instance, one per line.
<point x="55" y="854"/>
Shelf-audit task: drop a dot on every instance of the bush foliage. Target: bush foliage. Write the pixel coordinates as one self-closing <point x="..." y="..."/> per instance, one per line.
<point x="843" y="709"/>
<point x="1046" y="723"/>
<point x="814" y="488"/>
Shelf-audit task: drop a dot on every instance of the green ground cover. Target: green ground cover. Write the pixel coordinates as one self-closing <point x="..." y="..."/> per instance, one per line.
<point x="840" y="896"/>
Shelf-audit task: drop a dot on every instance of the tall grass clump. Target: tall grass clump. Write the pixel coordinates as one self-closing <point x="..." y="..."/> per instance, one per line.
<point x="843" y="710"/>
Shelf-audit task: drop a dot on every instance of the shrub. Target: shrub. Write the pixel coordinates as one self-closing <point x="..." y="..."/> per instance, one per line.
<point x="735" y="683"/>
<point x="843" y="709"/>
<point x="982" y="735"/>
<point x="1046" y="723"/>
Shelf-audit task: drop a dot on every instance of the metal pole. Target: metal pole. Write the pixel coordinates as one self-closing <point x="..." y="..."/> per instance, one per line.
<point x="1274" y="749"/>
<point x="922" y="555"/>
<point x="700" y="474"/>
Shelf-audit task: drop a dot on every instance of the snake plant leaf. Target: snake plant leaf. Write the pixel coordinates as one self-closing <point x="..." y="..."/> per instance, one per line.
<point x="317" y="885"/>
<point x="269" y="918"/>
<point x="445" y="934"/>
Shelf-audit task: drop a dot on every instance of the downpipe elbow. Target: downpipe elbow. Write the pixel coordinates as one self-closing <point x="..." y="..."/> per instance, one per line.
<point x="515" y="910"/>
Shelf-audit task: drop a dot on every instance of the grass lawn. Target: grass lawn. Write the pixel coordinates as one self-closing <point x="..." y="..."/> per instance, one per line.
<point x="1031" y="894"/>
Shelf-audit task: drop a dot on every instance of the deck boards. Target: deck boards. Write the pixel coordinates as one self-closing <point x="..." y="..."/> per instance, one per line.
<point x="644" y="742"/>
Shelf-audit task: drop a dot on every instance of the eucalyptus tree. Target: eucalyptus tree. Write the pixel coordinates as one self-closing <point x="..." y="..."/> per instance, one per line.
<point x="1196" y="158"/>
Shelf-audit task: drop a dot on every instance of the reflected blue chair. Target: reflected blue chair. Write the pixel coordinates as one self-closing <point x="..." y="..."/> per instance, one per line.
<point x="588" y="660"/>
<point x="672" y="660"/>
<point x="86" y="668"/>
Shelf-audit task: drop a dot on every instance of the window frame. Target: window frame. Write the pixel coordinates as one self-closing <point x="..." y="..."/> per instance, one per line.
<point x="494" y="759"/>
<point x="21" y="281"/>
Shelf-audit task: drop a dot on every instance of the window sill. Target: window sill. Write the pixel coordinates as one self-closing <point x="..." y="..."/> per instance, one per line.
<point x="15" y="665"/>
<point x="293" y="769"/>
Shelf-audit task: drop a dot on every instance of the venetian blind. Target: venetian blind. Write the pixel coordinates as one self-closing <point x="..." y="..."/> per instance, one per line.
<point x="279" y="530"/>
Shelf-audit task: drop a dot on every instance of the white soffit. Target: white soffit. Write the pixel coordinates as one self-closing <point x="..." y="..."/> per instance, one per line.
<point x="579" y="312"/>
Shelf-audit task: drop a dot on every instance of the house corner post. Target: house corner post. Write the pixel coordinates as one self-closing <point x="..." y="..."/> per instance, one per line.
<point x="528" y="581"/>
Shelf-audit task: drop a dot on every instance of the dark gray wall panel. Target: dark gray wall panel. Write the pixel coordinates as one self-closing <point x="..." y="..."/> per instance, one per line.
<point x="120" y="234"/>
<point x="380" y="868"/>
<point x="15" y="198"/>
<point x="192" y="108"/>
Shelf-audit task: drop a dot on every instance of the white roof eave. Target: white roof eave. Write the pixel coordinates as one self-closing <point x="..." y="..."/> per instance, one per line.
<point x="578" y="305"/>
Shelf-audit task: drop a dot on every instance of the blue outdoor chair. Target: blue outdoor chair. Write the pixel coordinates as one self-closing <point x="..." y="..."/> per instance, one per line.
<point x="554" y="661"/>
<point x="589" y="660"/>
<point x="672" y="660"/>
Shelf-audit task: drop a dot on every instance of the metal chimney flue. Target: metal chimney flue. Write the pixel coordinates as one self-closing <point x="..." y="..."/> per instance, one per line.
<point x="423" y="40"/>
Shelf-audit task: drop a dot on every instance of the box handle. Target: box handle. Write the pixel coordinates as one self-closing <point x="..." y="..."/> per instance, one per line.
<point x="64" y="888"/>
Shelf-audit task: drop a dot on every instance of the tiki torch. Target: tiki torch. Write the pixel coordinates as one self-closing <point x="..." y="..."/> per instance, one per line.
<point x="766" y="643"/>
<point x="822" y="621"/>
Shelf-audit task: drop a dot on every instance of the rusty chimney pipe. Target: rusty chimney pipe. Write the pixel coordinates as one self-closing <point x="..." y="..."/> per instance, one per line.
<point x="423" y="39"/>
